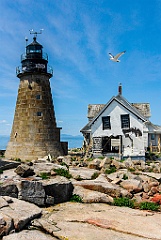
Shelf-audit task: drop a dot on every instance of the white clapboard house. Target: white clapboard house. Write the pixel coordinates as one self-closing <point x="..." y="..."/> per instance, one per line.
<point x="121" y="128"/>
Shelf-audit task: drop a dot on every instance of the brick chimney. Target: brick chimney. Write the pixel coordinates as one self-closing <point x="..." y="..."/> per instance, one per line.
<point x="120" y="89"/>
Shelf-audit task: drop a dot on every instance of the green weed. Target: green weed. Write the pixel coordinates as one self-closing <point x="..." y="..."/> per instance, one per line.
<point x="125" y="177"/>
<point x="110" y="170"/>
<point x="101" y="157"/>
<point x="122" y="160"/>
<point x="63" y="172"/>
<point x="44" y="175"/>
<point x="149" y="206"/>
<point x="17" y="159"/>
<point x="89" y="159"/>
<point x="123" y="202"/>
<point x="95" y="175"/>
<point x="75" y="198"/>
<point x="131" y="169"/>
<point x="65" y="164"/>
<point x="79" y="178"/>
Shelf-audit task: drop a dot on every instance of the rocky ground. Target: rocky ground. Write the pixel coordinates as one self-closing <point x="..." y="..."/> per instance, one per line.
<point x="35" y="199"/>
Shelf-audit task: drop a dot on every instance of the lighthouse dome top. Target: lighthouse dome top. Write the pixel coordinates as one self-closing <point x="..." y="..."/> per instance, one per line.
<point x="34" y="43"/>
<point x="34" y="60"/>
<point x="34" y="47"/>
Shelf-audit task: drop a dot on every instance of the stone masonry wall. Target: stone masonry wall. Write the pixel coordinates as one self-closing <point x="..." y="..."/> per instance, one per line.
<point x="34" y="131"/>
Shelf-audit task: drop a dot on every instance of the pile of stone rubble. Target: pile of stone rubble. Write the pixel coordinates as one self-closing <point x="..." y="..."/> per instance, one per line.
<point x="24" y="193"/>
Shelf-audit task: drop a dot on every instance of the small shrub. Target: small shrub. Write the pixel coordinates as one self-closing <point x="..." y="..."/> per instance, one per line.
<point x="131" y="169"/>
<point x="89" y="159"/>
<point x="150" y="170"/>
<point x="73" y="159"/>
<point x="149" y="206"/>
<point x="95" y="175"/>
<point x="78" y="178"/>
<point x="75" y="198"/>
<point x="65" y="164"/>
<point x="17" y="159"/>
<point x="151" y="156"/>
<point x="28" y="161"/>
<point x="63" y="172"/>
<point x="110" y="170"/>
<point x="125" y="177"/>
<point x="44" y="175"/>
<point x="101" y="157"/>
<point x="122" y="160"/>
<point x="123" y="202"/>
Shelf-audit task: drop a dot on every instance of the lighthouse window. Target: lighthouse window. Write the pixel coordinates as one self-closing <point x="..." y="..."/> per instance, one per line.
<point x="38" y="97"/>
<point x="37" y="80"/>
<point x="39" y="114"/>
<point x="34" y="49"/>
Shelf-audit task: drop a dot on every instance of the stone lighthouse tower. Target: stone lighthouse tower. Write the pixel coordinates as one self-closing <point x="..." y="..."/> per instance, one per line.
<point x="34" y="132"/>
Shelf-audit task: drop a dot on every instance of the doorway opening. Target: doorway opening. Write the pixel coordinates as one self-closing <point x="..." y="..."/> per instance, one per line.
<point x="111" y="144"/>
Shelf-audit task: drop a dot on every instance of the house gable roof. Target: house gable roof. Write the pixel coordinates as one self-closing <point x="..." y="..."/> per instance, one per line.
<point x="122" y="101"/>
<point x="153" y="128"/>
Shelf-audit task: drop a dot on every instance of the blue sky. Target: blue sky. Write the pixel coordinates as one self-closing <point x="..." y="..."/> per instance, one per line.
<point x="78" y="35"/>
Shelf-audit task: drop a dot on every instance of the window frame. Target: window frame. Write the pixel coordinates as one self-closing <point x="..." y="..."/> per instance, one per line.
<point x="106" y="123"/>
<point x="152" y="137"/>
<point x="125" y="121"/>
<point x="38" y="97"/>
<point x="39" y="114"/>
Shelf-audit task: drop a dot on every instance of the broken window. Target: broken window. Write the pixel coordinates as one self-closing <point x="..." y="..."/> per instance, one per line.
<point x="106" y="122"/>
<point x="125" y="121"/>
<point x="39" y="114"/>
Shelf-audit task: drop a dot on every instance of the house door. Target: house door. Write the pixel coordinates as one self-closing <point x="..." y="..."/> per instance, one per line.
<point x="111" y="144"/>
<point x="106" y="144"/>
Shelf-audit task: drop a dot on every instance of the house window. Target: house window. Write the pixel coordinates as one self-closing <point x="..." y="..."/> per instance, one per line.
<point x="125" y="121"/>
<point x="39" y="114"/>
<point x="106" y="122"/>
<point x="152" y="136"/>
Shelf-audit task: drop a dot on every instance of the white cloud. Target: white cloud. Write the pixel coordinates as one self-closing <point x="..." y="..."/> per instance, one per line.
<point x="3" y="121"/>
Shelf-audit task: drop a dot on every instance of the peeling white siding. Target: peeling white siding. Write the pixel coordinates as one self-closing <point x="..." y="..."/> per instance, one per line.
<point x="133" y="146"/>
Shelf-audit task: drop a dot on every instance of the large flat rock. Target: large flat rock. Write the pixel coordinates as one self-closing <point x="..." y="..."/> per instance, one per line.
<point x="89" y="196"/>
<point x="100" y="221"/>
<point x="82" y="172"/>
<point x="5" y="164"/>
<point x="20" y="212"/>
<point x="60" y="188"/>
<point x="29" y="235"/>
<point x="101" y="184"/>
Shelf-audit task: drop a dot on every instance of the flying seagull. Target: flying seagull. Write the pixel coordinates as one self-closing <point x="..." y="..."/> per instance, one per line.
<point x="115" y="58"/>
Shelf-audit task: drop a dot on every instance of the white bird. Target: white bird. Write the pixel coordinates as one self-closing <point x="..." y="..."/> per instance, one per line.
<point x="115" y="58"/>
